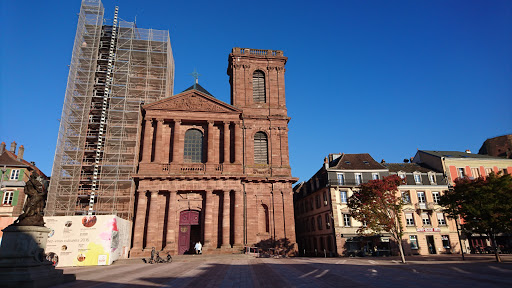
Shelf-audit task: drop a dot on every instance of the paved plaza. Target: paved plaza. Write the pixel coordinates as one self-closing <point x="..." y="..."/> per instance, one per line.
<point x="248" y="271"/>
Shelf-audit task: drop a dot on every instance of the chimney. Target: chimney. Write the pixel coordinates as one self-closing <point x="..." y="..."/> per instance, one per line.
<point x="13" y="147"/>
<point x="382" y="161"/>
<point x="468" y="151"/>
<point x="20" y="152"/>
<point x="2" y="147"/>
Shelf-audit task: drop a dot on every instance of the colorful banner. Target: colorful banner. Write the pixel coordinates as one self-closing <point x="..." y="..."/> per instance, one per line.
<point x="87" y="240"/>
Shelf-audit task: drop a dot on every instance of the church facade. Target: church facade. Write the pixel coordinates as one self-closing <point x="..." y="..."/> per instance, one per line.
<point x="214" y="172"/>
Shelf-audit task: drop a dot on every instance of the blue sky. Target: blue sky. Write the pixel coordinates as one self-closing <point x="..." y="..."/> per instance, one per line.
<point x="378" y="77"/>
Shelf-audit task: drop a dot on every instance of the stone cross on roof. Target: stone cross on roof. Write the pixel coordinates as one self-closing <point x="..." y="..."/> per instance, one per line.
<point x="196" y="76"/>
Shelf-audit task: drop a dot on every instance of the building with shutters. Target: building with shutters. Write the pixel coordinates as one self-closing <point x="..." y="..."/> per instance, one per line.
<point x="214" y="172"/>
<point x="14" y="173"/>
<point x="323" y="220"/>
<point x="427" y="230"/>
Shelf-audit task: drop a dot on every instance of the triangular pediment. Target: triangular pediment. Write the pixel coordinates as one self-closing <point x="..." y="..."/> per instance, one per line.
<point x="193" y="101"/>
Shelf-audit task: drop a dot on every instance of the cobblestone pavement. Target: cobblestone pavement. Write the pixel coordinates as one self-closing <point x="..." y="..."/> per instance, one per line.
<point x="247" y="271"/>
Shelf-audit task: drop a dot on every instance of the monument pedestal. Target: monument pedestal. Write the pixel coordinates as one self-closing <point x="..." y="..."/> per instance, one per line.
<point x="22" y="259"/>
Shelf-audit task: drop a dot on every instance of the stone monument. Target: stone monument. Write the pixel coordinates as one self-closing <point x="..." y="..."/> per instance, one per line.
<point x="22" y="259"/>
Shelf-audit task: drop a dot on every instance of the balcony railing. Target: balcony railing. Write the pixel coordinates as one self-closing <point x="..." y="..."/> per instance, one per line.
<point x="424" y="206"/>
<point x="192" y="168"/>
<point x="349" y="182"/>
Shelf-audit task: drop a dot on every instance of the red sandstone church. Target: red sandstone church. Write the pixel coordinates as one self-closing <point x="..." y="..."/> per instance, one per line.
<point x="214" y="172"/>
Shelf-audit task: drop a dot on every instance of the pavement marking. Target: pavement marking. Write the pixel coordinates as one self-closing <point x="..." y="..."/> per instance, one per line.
<point x="307" y="274"/>
<point x="499" y="269"/>
<point x="341" y="262"/>
<point x="372" y="262"/>
<point x="322" y="274"/>
<point x="415" y="271"/>
<point x="460" y="270"/>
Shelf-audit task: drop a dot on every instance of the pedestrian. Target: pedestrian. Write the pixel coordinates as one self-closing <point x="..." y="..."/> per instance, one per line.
<point x="198" y="248"/>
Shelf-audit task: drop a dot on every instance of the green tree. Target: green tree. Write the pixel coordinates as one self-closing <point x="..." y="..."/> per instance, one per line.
<point x="484" y="205"/>
<point x="378" y="205"/>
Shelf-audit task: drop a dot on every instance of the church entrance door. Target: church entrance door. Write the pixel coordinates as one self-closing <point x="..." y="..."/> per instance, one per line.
<point x="189" y="222"/>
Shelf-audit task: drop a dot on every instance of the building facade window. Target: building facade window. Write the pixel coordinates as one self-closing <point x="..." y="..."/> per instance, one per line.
<point x="319" y="222"/>
<point x="193" y="146"/>
<point x="436" y="197"/>
<point x="417" y="178"/>
<point x="440" y="219"/>
<point x="414" y="242"/>
<point x="313" y="224"/>
<point x="341" y="178"/>
<point x="406" y="197"/>
<point x="432" y="178"/>
<point x="359" y="178"/>
<point x="425" y="219"/>
<point x="8" y="197"/>
<point x="422" y="200"/>
<point x="401" y="175"/>
<point x="327" y="221"/>
<point x="318" y="204"/>
<point x="258" y="87"/>
<point x="15" y="173"/>
<point x="488" y="171"/>
<point x="346" y="220"/>
<point x="461" y="173"/>
<point x="475" y="173"/>
<point x="325" y="199"/>
<point x="343" y="196"/>
<point x="260" y="148"/>
<point x="409" y="219"/>
<point x="375" y="176"/>
<point x="446" y="241"/>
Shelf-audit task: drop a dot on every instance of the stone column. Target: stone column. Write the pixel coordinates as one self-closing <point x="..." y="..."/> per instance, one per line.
<point x="177" y="155"/>
<point x="211" y="157"/>
<point x="238" y="219"/>
<point x="148" y="141"/>
<point x="209" y="234"/>
<point x="153" y="221"/>
<point x="172" y="224"/>
<point x="238" y="143"/>
<point x="166" y="145"/>
<point x="225" y="220"/>
<point x="158" y="140"/>
<point x="226" y="143"/>
<point x="140" y="220"/>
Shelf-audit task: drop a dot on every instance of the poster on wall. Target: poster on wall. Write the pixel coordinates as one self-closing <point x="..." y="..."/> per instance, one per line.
<point x="87" y="240"/>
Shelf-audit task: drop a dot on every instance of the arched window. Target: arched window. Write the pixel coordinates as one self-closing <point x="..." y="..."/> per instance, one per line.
<point x="260" y="148"/>
<point x="193" y="147"/>
<point x="258" y="86"/>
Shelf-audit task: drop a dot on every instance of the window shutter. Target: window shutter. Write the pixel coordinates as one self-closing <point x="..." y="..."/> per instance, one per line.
<point x="258" y="86"/>
<point x="15" y="198"/>
<point x="1" y="197"/>
<point x="260" y="148"/>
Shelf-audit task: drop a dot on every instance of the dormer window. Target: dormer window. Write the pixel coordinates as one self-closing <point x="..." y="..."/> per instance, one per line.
<point x="401" y="175"/>
<point x="347" y="162"/>
<point x="432" y="178"/>
<point x="417" y="178"/>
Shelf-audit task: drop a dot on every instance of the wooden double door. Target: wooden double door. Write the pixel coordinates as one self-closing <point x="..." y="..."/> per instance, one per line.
<point x="190" y="231"/>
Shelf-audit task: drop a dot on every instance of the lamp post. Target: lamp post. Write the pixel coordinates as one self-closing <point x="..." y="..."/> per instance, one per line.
<point x="458" y="234"/>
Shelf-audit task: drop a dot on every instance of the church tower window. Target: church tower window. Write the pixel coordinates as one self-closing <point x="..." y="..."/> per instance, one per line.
<point x="193" y="147"/>
<point x="260" y="148"/>
<point x="258" y="87"/>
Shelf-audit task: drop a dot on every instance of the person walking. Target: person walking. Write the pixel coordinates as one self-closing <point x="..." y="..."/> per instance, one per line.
<point x="198" y="248"/>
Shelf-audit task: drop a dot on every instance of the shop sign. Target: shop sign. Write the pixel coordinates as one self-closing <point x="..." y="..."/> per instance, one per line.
<point x="384" y="239"/>
<point x="428" y="229"/>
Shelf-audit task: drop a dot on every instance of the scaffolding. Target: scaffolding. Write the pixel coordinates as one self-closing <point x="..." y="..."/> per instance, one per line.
<point x="114" y="69"/>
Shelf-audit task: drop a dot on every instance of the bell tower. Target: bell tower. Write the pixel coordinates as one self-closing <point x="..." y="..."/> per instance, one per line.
<point x="257" y="82"/>
<point x="257" y="88"/>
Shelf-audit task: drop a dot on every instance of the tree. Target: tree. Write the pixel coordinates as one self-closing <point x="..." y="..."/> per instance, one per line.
<point x="378" y="205"/>
<point x="483" y="204"/>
